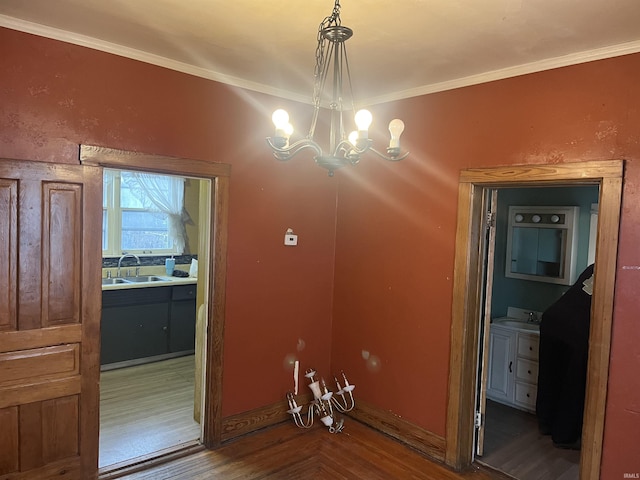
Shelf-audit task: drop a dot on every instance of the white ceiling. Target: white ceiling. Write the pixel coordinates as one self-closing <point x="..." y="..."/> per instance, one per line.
<point x="399" y="49"/>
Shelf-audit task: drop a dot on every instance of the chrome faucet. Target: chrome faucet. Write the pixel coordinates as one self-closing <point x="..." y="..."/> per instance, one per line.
<point x="125" y="256"/>
<point x="533" y="318"/>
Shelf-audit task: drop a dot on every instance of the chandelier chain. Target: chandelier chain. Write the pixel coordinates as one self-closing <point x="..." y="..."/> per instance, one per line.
<point x="335" y="20"/>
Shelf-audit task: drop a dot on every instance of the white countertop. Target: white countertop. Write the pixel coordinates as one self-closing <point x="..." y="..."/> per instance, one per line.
<point x="157" y="271"/>
<point x="516" y="324"/>
<point x="167" y="281"/>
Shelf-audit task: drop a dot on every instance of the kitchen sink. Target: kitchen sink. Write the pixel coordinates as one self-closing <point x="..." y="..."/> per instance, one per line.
<point x="143" y="279"/>
<point x="136" y="279"/>
<point x="112" y="281"/>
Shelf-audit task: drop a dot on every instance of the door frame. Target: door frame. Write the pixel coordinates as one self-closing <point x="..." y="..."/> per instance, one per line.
<point x="467" y="295"/>
<point x="219" y="174"/>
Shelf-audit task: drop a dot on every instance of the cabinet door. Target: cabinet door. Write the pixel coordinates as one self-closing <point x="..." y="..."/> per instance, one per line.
<point x="117" y="335"/>
<point x="501" y="367"/>
<point x="151" y="330"/>
<point x="182" y="322"/>
<point x="182" y="336"/>
<point x="134" y="331"/>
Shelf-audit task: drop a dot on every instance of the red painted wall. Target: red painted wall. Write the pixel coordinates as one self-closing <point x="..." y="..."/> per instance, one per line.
<point x="396" y="233"/>
<point x="392" y="238"/>
<point x="55" y="96"/>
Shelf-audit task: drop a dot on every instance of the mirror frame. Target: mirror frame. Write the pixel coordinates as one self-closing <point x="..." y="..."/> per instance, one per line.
<point x="569" y="245"/>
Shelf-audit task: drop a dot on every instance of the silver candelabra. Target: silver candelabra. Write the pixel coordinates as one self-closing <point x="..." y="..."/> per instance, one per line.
<point x="323" y="404"/>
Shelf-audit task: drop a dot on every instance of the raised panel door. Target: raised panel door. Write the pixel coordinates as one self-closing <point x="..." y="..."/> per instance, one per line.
<point x="49" y="320"/>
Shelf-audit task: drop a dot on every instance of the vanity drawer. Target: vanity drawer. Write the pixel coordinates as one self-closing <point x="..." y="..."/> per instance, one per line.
<point x="528" y="346"/>
<point x="526" y="395"/>
<point x="527" y="371"/>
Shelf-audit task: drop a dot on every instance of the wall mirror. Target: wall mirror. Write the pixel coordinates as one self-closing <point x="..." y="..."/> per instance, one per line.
<point x="542" y="244"/>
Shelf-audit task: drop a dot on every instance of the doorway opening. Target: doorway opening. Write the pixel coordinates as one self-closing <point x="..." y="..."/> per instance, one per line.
<point x="152" y="339"/>
<point x="468" y="298"/>
<point x="211" y="279"/>
<point x="549" y="251"/>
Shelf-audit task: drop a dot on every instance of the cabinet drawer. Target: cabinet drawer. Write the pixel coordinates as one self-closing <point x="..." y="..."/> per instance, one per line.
<point x="526" y="395"/>
<point x="184" y="292"/>
<point x="528" y="346"/>
<point x="135" y="296"/>
<point x="527" y="371"/>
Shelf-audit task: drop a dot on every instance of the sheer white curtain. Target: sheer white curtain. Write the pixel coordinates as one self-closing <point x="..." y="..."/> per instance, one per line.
<point x="165" y="194"/>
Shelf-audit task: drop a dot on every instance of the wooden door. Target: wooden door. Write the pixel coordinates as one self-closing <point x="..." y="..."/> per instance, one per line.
<point x="50" y="226"/>
<point x="488" y="245"/>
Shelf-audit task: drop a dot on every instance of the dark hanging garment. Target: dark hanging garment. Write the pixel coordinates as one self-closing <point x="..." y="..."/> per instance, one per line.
<point x="562" y="374"/>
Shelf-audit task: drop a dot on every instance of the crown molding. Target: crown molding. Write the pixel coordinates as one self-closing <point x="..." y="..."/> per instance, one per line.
<point x="524" y="69"/>
<point x="134" y="54"/>
<point x="150" y="58"/>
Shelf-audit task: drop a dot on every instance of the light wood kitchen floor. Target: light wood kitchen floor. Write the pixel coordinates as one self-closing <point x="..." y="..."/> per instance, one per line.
<point x="513" y="445"/>
<point x="146" y="408"/>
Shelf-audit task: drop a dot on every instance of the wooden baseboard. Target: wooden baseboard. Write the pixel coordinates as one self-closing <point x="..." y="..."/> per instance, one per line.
<point x="248" y="422"/>
<point x="418" y="438"/>
<point x="426" y="442"/>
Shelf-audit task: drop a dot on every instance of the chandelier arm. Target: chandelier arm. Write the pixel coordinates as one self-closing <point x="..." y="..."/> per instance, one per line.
<point x="336" y="131"/>
<point x="390" y="158"/>
<point x="346" y="65"/>
<point x="314" y="119"/>
<point x="285" y="153"/>
<point x="348" y="149"/>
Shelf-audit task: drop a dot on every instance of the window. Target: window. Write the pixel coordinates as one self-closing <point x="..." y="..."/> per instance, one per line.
<point x="142" y="213"/>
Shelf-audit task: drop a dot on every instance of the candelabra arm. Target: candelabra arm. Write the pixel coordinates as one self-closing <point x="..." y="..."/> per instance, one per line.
<point x="298" y="418"/>
<point x="348" y="402"/>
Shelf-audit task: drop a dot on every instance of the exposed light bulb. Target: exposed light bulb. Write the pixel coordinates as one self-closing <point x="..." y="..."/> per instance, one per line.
<point x="363" y="120"/>
<point x="353" y="138"/>
<point x="284" y="129"/>
<point x="396" y="127"/>
<point x="280" y="119"/>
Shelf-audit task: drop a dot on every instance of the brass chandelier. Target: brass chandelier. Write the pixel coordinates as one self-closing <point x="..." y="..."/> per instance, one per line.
<point x="331" y="56"/>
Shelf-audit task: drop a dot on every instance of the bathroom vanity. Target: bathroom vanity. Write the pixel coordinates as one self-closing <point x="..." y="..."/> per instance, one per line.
<point x="513" y="363"/>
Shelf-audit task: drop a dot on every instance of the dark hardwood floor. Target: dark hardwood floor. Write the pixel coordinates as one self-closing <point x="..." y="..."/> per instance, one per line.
<point x="286" y="452"/>
<point x="135" y="424"/>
